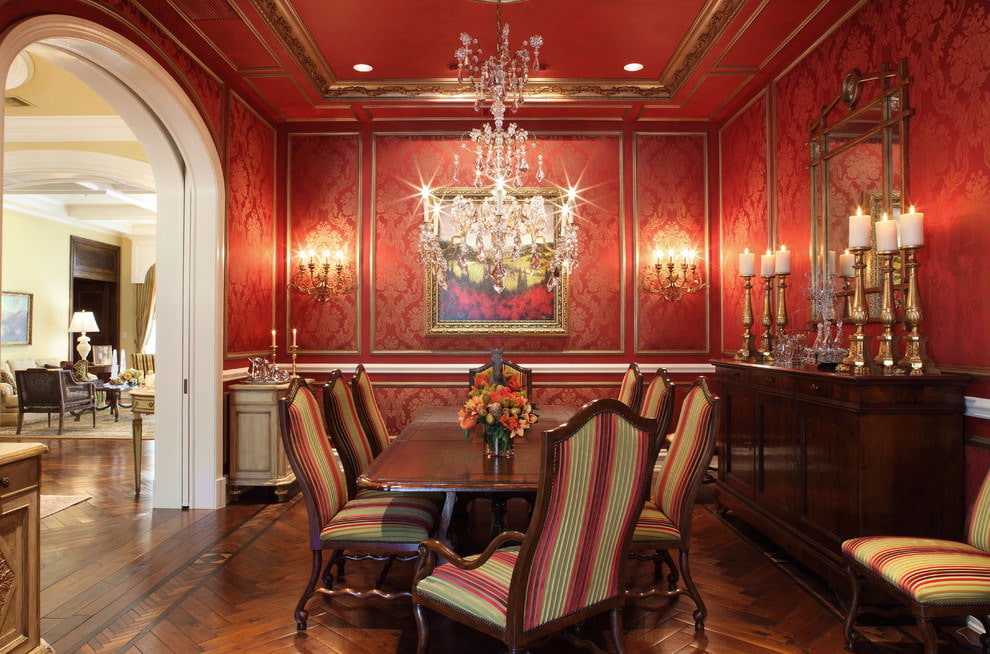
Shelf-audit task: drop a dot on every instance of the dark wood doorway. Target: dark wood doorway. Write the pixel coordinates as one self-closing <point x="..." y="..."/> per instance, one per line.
<point x="95" y="286"/>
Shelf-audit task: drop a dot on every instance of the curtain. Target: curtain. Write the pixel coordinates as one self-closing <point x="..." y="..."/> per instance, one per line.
<point x="144" y="297"/>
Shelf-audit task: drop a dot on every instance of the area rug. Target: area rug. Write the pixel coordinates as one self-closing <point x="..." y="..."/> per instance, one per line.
<point x="54" y="503"/>
<point x="106" y="427"/>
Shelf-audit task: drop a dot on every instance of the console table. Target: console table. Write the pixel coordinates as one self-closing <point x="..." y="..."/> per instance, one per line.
<point x="142" y="404"/>
<point x="257" y="457"/>
<point x="812" y="458"/>
<point x="20" y="548"/>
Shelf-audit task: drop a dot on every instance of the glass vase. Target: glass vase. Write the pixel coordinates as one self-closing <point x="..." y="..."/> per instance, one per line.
<point x="498" y="441"/>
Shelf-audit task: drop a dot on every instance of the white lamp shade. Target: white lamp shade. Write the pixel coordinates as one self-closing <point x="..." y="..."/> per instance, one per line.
<point x="83" y="321"/>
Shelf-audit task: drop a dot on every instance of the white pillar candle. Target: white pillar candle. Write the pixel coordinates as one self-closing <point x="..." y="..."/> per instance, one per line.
<point x="912" y="228"/>
<point x="886" y="235"/>
<point x="273" y="338"/>
<point x="782" y="264"/>
<point x="293" y="337"/>
<point x="766" y="264"/>
<point x="859" y="230"/>
<point x="846" y="264"/>
<point x="747" y="263"/>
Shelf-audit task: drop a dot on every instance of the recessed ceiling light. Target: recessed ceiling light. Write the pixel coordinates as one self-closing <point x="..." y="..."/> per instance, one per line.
<point x="632" y="68"/>
<point x="363" y="68"/>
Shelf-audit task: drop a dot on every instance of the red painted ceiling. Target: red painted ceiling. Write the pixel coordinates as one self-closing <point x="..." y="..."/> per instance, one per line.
<point x="293" y="58"/>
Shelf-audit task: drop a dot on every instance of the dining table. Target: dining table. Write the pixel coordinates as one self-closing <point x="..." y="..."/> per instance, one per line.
<point x="432" y="454"/>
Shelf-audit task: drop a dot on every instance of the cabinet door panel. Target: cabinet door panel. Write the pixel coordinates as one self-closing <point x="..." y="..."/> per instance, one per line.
<point x="737" y="451"/>
<point x="831" y="472"/>
<point x="779" y="455"/>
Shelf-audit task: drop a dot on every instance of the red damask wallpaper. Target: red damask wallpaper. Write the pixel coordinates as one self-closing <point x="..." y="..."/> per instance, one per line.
<point x="745" y="214"/>
<point x="671" y="190"/>
<point x="405" y="162"/>
<point x="324" y="204"/>
<point x="250" y="232"/>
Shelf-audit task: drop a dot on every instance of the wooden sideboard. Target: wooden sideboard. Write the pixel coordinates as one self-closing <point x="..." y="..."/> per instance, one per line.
<point x="812" y="458"/>
<point x="257" y="457"/>
<point x="20" y="548"/>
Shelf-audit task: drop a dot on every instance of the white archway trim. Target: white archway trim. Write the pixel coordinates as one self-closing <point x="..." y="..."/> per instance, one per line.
<point x="189" y="179"/>
<point x="40" y="166"/>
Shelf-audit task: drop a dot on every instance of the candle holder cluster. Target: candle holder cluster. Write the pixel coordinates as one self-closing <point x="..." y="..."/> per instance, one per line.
<point x="774" y="325"/>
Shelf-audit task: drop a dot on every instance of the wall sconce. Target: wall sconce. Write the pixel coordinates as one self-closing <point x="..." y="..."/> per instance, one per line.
<point x="673" y="276"/>
<point x="321" y="278"/>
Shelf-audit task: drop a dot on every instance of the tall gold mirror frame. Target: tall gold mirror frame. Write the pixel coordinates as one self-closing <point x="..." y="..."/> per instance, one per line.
<point x="859" y="159"/>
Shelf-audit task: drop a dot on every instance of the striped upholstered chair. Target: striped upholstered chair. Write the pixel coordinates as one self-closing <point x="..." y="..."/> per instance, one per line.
<point x="380" y="525"/>
<point x="346" y="431"/>
<point x="368" y="411"/>
<point x="665" y="522"/>
<point x="569" y="565"/>
<point x="934" y="578"/>
<point x="658" y="403"/>
<point x="631" y="389"/>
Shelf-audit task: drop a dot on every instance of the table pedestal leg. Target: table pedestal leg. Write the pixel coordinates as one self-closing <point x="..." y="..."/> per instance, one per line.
<point x="137" y="435"/>
<point x="445" y="515"/>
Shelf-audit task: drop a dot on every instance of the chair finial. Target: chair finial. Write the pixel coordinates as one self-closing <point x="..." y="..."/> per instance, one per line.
<point x="497" y="376"/>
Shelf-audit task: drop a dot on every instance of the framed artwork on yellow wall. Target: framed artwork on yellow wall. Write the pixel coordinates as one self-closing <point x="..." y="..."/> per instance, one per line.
<point x="473" y="300"/>
<point x="16" y="316"/>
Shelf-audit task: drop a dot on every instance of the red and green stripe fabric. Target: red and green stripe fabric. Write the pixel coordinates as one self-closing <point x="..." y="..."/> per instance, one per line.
<point x="979" y="518"/>
<point x="672" y="485"/>
<point x="578" y="559"/>
<point x="653" y="526"/>
<point x="653" y="397"/>
<point x="482" y="592"/>
<point x="395" y="518"/>
<point x="308" y="440"/>
<point x="347" y="414"/>
<point x="379" y="431"/>
<point x="627" y="390"/>
<point x="929" y="570"/>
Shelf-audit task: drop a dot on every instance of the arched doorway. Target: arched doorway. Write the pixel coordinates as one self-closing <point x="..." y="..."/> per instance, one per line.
<point x="189" y="180"/>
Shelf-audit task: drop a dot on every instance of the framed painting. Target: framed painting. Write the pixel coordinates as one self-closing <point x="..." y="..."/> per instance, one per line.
<point x="15" y="318"/>
<point x="468" y="300"/>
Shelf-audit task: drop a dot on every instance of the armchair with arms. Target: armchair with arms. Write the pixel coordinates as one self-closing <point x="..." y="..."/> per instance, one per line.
<point x="570" y="563"/>
<point x="53" y="390"/>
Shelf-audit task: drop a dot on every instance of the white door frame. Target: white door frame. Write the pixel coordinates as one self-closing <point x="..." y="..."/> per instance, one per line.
<point x="189" y="180"/>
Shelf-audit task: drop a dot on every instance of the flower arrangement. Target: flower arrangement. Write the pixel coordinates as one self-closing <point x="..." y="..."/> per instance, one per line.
<point x="503" y="410"/>
<point x="128" y="376"/>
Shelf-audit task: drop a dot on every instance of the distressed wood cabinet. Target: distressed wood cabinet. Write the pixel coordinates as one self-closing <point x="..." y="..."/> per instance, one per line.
<point x="256" y="454"/>
<point x="20" y="549"/>
<point x="812" y="458"/>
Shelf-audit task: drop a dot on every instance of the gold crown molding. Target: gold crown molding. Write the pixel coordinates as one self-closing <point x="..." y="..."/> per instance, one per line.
<point x="710" y="24"/>
<point x="289" y="29"/>
<point x="452" y="89"/>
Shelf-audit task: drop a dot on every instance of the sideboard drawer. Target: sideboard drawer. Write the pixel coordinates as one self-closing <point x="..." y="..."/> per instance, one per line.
<point x="18" y="475"/>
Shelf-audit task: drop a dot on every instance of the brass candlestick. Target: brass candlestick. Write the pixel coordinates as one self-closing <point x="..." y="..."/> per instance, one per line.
<point x="745" y="353"/>
<point x="857" y="362"/>
<point x="293" y="349"/>
<point x="846" y="287"/>
<point x="915" y="361"/>
<point x="781" y="303"/>
<point x="884" y="359"/>
<point x="766" y="341"/>
<point x="274" y="349"/>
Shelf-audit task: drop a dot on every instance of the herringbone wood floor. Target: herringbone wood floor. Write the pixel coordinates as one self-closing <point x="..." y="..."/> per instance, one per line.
<point x="118" y="576"/>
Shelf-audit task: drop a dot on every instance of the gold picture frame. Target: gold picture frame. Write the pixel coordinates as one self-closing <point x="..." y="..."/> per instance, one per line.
<point x="470" y="304"/>
<point x="16" y="317"/>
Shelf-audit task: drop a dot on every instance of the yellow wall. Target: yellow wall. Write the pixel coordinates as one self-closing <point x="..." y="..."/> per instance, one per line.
<point x="36" y="260"/>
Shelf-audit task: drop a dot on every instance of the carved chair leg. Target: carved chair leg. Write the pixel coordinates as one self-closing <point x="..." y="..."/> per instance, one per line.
<point x="301" y="613"/>
<point x="617" y="629"/>
<point x="853" y="607"/>
<point x="928" y="634"/>
<point x="422" y="628"/>
<point x="337" y="558"/>
<point x="659" y="559"/>
<point x="385" y="568"/>
<point x="701" y="613"/>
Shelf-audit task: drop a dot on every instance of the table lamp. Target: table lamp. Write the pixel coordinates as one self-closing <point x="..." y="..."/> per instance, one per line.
<point x="82" y="322"/>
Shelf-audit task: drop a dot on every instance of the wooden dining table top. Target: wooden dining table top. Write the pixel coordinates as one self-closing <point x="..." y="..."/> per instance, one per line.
<point x="433" y="454"/>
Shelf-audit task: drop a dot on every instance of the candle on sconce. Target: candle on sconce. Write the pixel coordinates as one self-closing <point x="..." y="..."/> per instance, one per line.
<point x="339" y="257"/>
<point x="782" y="263"/>
<point x="273" y="338"/>
<point x="859" y="230"/>
<point x="846" y="264"/>
<point x="912" y="228"/>
<point x="293" y="337"/>
<point x="886" y="235"/>
<point x="747" y="263"/>
<point x="766" y="264"/>
<point x="425" y="191"/>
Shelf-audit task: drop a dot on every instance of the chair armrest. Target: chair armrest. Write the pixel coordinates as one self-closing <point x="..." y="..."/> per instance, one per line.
<point x="429" y="549"/>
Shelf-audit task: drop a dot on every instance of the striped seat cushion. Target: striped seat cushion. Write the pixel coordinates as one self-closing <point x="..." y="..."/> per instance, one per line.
<point x="931" y="571"/>
<point x="397" y="518"/>
<point x="654" y="526"/>
<point x="482" y="592"/>
<point x="435" y="498"/>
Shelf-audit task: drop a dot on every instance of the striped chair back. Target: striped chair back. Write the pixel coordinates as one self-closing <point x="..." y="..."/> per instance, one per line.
<point x="143" y="362"/>
<point x="596" y="471"/>
<point x="367" y="406"/>
<point x="631" y="387"/>
<point x="658" y="403"/>
<point x="346" y="432"/>
<point x="307" y="448"/>
<point x="979" y="518"/>
<point x="515" y="376"/>
<point x="690" y="452"/>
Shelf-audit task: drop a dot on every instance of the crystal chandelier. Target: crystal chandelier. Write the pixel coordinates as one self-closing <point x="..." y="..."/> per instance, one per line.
<point x="498" y="228"/>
